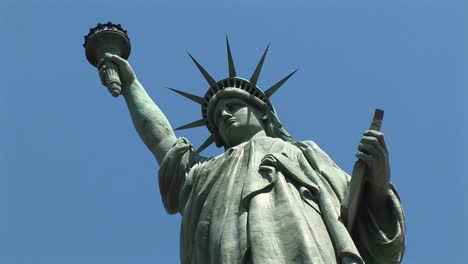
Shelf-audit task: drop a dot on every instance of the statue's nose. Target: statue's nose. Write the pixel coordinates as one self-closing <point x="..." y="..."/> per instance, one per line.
<point x="225" y="115"/>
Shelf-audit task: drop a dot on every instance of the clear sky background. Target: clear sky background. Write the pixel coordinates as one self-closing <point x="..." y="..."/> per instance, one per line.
<point x="78" y="186"/>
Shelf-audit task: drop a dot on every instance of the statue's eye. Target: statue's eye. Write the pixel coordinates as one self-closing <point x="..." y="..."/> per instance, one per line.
<point x="234" y="107"/>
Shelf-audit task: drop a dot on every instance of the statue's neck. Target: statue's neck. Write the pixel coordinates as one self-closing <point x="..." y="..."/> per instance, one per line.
<point x="260" y="133"/>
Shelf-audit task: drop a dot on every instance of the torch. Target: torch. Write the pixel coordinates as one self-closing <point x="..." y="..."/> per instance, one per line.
<point x="108" y="38"/>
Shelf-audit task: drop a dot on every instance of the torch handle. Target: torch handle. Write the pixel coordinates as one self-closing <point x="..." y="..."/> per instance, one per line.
<point x="112" y="79"/>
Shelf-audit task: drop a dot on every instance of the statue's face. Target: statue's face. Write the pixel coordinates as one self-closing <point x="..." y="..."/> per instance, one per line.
<point x="237" y="121"/>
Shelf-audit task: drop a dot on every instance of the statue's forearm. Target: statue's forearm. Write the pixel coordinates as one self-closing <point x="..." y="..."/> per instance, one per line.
<point x="378" y="204"/>
<point x="150" y="122"/>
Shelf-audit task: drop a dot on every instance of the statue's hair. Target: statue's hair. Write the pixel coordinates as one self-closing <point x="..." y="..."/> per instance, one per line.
<point x="274" y="128"/>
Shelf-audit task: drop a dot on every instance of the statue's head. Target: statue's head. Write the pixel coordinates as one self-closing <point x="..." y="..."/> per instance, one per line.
<point x="234" y="115"/>
<point x="234" y="109"/>
<point x="237" y="121"/>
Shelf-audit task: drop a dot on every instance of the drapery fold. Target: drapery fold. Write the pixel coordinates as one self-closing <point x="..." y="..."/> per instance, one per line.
<point x="270" y="201"/>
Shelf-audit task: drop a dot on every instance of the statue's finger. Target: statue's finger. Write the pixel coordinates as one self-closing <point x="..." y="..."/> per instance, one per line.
<point x="116" y="59"/>
<point x="107" y="57"/>
<point x="372" y="132"/>
<point x="375" y="142"/>
<point x="377" y="134"/>
<point x="370" y="139"/>
<point x="364" y="157"/>
<point x="102" y="70"/>
<point x="369" y="149"/>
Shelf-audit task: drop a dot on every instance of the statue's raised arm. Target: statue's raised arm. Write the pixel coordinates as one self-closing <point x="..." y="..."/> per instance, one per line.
<point x="150" y="122"/>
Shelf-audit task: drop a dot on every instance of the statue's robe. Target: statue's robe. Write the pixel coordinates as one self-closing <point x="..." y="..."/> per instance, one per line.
<point x="269" y="201"/>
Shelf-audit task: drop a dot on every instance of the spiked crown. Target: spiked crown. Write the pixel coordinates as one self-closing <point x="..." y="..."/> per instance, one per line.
<point x="230" y="87"/>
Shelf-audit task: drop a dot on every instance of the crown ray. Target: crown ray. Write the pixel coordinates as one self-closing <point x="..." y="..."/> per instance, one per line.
<point x="195" y="98"/>
<point x="205" y="74"/>
<point x="232" y="69"/>
<point x="270" y="91"/>
<point x="257" y="71"/>
<point x="197" y="123"/>
<point x="205" y="144"/>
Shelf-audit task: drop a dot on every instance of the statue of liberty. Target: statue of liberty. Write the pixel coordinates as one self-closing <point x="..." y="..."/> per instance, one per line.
<point x="267" y="198"/>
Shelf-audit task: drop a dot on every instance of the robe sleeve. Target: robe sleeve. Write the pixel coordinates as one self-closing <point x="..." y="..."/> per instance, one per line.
<point x="374" y="245"/>
<point x="336" y="178"/>
<point x="174" y="175"/>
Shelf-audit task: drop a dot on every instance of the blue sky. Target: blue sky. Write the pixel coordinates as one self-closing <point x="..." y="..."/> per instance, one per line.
<point x="78" y="186"/>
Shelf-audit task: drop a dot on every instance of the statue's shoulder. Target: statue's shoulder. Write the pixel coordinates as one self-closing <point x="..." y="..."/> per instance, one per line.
<point x="321" y="162"/>
<point x="309" y="145"/>
<point x="314" y="152"/>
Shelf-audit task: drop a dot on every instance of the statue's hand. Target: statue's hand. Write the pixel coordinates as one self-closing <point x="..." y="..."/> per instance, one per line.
<point x="373" y="151"/>
<point x="126" y="73"/>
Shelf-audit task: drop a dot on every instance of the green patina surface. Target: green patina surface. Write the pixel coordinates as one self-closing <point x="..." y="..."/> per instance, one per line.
<point x="267" y="198"/>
